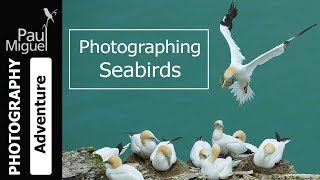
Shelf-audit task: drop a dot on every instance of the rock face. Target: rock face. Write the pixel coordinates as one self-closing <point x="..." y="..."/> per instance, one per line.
<point x="83" y="164"/>
<point x="283" y="167"/>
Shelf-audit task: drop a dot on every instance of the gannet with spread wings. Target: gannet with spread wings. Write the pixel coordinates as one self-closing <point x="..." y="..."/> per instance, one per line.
<point x="237" y="76"/>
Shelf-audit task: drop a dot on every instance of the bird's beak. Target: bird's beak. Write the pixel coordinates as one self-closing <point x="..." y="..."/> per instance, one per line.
<point x="203" y="156"/>
<point x="221" y="125"/>
<point x="223" y="84"/>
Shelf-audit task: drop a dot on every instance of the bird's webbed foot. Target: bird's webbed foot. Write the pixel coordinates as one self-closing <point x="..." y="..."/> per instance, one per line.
<point x="245" y="89"/>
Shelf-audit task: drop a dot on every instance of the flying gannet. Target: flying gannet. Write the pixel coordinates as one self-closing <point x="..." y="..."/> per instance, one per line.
<point x="237" y="76"/>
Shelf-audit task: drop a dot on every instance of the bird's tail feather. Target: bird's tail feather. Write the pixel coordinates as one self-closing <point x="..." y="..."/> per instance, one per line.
<point x="241" y="96"/>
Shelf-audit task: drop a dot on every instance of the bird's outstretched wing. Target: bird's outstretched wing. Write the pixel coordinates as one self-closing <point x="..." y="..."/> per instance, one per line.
<point x="225" y="28"/>
<point x="278" y="50"/>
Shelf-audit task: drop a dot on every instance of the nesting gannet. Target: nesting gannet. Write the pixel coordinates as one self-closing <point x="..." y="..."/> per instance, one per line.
<point x="270" y="152"/>
<point x="118" y="171"/>
<point x="226" y="142"/>
<point x="143" y="144"/>
<point x="217" y="168"/>
<point x="164" y="156"/>
<point x="107" y="152"/>
<point x="199" y="152"/>
<point x="242" y="136"/>
<point x="238" y="75"/>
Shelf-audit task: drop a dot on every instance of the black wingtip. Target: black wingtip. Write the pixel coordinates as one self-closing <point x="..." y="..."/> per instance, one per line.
<point x="174" y="139"/>
<point x="231" y="14"/>
<point x="120" y="147"/>
<point x="279" y="139"/>
<point x="199" y="138"/>
<point x="248" y="152"/>
<point x="299" y="34"/>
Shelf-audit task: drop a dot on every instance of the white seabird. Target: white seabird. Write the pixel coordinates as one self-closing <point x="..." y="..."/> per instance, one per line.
<point x="143" y="144"/>
<point x="242" y="136"/>
<point x="199" y="152"/>
<point x="118" y="171"/>
<point x="107" y="152"/>
<point x="215" y="168"/>
<point x="164" y="156"/>
<point x="226" y="142"/>
<point x="240" y="74"/>
<point x="270" y="152"/>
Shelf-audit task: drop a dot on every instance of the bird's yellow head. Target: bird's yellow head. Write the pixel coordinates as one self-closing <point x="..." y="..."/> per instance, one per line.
<point x="240" y="135"/>
<point x="218" y="124"/>
<point x="215" y="151"/>
<point x="114" y="161"/>
<point x="227" y="78"/>
<point x="269" y="148"/>
<point x="147" y="135"/>
<point x="165" y="150"/>
<point x="204" y="153"/>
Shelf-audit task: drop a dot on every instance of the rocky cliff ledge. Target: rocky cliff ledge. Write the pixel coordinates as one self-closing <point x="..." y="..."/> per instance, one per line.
<point x="83" y="164"/>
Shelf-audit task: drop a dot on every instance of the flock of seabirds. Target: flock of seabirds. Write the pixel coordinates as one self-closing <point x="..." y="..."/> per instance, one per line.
<point x="215" y="160"/>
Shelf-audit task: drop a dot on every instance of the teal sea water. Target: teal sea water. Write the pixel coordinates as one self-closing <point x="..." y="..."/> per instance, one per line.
<point x="287" y="88"/>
